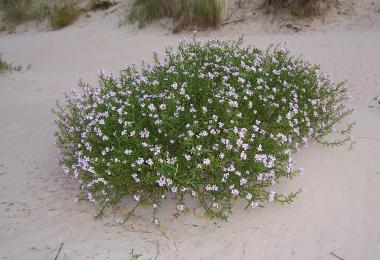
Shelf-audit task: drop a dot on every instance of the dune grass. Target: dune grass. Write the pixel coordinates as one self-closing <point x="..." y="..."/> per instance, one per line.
<point x="185" y="13"/>
<point x="62" y="15"/>
<point x="299" y="8"/>
<point x="100" y="4"/>
<point x="16" y="12"/>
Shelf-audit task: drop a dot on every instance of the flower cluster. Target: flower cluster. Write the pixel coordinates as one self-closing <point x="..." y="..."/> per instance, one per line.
<point x="210" y="120"/>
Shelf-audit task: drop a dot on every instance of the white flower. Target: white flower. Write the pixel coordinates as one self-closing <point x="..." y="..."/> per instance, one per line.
<point x="145" y="133"/>
<point x="231" y="168"/>
<point x="149" y="162"/>
<point x="180" y="207"/>
<point x="161" y="182"/>
<point x="243" y="181"/>
<point x="254" y="205"/>
<point x="203" y="133"/>
<point x="140" y="161"/>
<point x="235" y="192"/>
<point x="272" y="195"/>
<point x="233" y="103"/>
<point x="239" y="142"/>
<point x="136" y="198"/>
<point x="119" y="221"/>
<point x="135" y="177"/>
<point x="206" y="161"/>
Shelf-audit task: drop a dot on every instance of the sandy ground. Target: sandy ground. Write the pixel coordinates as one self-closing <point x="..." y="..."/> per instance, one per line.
<point x="337" y="216"/>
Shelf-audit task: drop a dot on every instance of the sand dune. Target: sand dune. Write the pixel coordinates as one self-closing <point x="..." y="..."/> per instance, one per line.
<point x="338" y="214"/>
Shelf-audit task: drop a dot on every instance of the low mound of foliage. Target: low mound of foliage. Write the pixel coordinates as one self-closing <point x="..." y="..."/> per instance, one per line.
<point x="213" y="121"/>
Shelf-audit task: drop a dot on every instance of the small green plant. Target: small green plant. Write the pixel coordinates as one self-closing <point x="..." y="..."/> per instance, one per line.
<point x="185" y="13"/>
<point x="134" y="256"/>
<point x="213" y="121"/>
<point x="62" y="15"/>
<point x="8" y="67"/>
<point x="100" y="4"/>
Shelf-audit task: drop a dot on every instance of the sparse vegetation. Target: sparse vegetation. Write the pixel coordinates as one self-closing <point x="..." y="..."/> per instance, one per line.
<point x="134" y="256"/>
<point x="16" y="12"/>
<point x="213" y="121"/>
<point x="300" y="8"/>
<point x="100" y="4"/>
<point x="185" y="13"/>
<point x="8" y="67"/>
<point x="376" y="102"/>
<point x="63" y="15"/>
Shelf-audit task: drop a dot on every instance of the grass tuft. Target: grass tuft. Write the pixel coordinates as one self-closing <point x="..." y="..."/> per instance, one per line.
<point x="299" y="8"/>
<point x="8" y="67"/>
<point x="63" y="15"/>
<point x="101" y="4"/>
<point x="185" y="13"/>
<point x="16" y="12"/>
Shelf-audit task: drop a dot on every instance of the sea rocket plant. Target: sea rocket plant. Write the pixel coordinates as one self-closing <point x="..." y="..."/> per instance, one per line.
<point x="213" y="121"/>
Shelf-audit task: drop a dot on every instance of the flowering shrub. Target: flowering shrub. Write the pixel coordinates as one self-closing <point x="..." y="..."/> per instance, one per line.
<point x="213" y="121"/>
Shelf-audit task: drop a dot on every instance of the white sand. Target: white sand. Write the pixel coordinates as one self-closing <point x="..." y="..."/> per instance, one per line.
<point x="338" y="214"/>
